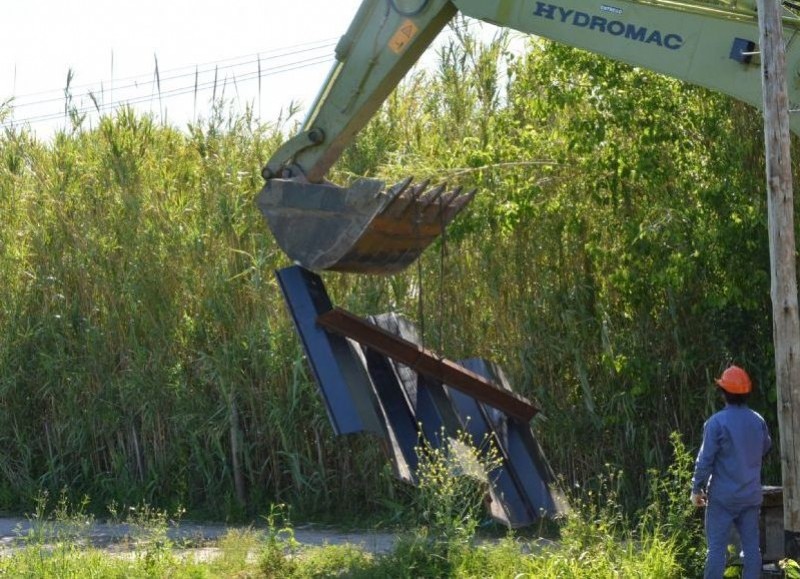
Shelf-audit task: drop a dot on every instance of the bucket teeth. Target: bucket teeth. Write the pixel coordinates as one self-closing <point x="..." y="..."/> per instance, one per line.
<point x="432" y="196"/>
<point x="399" y="188"/>
<point x="457" y="203"/>
<point x="447" y="199"/>
<point x="365" y="228"/>
<point x="404" y="202"/>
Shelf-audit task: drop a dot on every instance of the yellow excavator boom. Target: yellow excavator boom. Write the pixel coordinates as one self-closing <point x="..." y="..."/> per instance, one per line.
<point x="371" y="228"/>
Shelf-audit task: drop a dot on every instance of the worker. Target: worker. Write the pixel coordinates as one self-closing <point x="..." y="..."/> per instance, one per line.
<point x="727" y="475"/>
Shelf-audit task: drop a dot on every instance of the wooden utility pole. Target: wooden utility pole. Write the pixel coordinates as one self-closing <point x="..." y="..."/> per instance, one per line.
<point x="780" y="206"/>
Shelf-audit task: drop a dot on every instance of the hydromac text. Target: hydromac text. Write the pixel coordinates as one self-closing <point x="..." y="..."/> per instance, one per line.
<point x="604" y="25"/>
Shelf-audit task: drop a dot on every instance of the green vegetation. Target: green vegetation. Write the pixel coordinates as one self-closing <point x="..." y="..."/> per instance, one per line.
<point x="615" y="259"/>
<point x="594" y="542"/>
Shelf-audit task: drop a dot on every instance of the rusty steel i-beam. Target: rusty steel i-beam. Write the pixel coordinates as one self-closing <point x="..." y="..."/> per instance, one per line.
<point x="427" y="363"/>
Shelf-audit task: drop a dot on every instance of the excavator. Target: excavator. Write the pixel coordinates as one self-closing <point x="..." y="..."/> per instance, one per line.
<point x="375" y="374"/>
<point x="368" y="227"/>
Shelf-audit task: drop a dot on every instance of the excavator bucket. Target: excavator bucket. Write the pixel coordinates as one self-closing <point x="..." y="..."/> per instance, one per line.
<point x="363" y="228"/>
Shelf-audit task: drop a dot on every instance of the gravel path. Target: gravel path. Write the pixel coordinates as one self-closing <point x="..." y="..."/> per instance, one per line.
<point x="117" y="537"/>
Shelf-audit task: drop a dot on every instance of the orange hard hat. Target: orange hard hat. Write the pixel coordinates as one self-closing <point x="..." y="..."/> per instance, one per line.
<point x="734" y="380"/>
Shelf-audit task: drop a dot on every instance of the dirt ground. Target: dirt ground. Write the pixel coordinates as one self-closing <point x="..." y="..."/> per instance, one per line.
<point x="117" y="537"/>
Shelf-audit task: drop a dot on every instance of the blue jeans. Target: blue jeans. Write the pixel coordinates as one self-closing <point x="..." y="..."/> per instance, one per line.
<point x="719" y="519"/>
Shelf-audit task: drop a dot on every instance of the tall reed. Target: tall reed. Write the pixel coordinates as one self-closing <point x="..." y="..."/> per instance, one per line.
<point x="614" y="260"/>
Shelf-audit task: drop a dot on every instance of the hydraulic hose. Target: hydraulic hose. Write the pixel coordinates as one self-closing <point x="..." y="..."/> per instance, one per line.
<point x="410" y="13"/>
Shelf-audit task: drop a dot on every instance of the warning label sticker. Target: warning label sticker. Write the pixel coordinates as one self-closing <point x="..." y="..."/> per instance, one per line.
<point x="403" y="37"/>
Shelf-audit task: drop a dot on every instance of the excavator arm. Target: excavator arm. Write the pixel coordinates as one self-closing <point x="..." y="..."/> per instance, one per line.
<point x="383" y="42"/>
<point x="369" y="228"/>
<point x="706" y="43"/>
<point x="366" y="227"/>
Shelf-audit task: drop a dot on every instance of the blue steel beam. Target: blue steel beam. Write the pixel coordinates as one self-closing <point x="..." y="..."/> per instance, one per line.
<point x="358" y="395"/>
<point x="400" y="418"/>
<point x="526" y="461"/>
<point x="343" y="381"/>
<point x="417" y="402"/>
<point x="509" y="505"/>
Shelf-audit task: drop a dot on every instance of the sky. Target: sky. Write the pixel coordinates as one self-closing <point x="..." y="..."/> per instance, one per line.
<point x="113" y="49"/>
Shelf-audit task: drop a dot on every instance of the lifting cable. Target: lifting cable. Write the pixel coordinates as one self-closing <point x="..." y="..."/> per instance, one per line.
<point x="442" y="274"/>
<point x="420" y="299"/>
<point x="442" y="255"/>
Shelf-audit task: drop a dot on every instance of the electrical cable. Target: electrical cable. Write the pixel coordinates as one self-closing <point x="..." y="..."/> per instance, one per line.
<point x="163" y="78"/>
<point x="141" y="80"/>
<point x="179" y="91"/>
<point x="183" y="90"/>
<point x="285" y="50"/>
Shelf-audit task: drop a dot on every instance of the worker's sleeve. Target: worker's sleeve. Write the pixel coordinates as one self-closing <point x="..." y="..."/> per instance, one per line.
<point x="705" y="457"/>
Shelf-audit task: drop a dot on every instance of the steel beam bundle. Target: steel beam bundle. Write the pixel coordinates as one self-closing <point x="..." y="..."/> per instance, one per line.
<point x="374" y="376"/>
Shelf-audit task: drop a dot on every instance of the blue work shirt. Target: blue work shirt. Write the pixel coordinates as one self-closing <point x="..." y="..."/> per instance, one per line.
<point x="734" y="441"/>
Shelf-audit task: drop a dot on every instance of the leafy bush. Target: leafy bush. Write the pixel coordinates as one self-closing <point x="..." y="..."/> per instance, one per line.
<point x="452" y="484"/>
<point x="670" y="514"/>
<point x="277" y="558"/>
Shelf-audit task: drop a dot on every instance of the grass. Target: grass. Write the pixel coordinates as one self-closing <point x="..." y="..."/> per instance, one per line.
<point x="257" y="554"/>
<point x="595" y="540"/>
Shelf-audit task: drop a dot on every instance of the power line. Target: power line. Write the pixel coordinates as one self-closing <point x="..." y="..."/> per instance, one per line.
<point x="269" y="54"/>
<point x="194" y="88"/>
<point x="135" y="81"/>
<point x="169" y="75"/>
